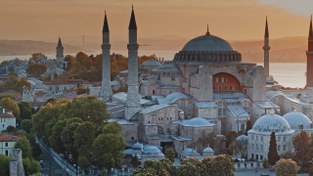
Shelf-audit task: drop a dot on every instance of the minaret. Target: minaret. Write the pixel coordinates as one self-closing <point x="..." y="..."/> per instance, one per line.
<point x="133" y="99"/>
<point x="309" y="61"/>
<point x="266" y="49"/>
<point x="60" y="54"/>
<point x="106" y="89"/>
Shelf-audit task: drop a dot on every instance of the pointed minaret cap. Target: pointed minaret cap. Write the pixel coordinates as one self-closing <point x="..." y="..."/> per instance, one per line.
<point x="311" y="30"/>
<point x="207" y="30"/>
<point x="105" y="23"/>
<point x="266" y="29"/>
<point x="132" y="22"/>
<point x="60" y="43"/>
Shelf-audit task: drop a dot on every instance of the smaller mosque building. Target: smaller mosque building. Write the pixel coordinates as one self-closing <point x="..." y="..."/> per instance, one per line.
<point x="285" y="127"/>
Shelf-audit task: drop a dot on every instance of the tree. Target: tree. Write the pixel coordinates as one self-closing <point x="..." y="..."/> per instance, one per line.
<point x="162" y="167"/>
<point x="26" y="125"/>
<point x="11" y="105"/>
<point x="25" y="110"/>
<point x="67" y="136"/>
<point x="302" y="143"/>
<point x="4" y="165"/>
<point x="249" y="126"/>
<point x="192" y="166"/>
<point x="36" y="70"/>
<point x="170" y="154"/>
<point x="84" y="135"/>
<point x="107" y="149"/>
<point x="135" y="161"/>
<point x="230" y="138"/>
<point x="222" y="165"/>
<point x="25" y="146"/>
<point x="272" y="155"/>
<point x="31" y="166"/>
<point x="87" y="108"/>
<point x="286" y="167"/>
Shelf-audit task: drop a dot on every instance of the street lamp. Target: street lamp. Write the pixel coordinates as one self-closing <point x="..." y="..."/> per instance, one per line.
<point x="67" y="171"/>
<point x="76" y="169"/>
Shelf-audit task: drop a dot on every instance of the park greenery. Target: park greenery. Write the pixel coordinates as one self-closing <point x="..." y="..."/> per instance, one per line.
<point x="221" y="165"/>
<point x="79" y="130"/>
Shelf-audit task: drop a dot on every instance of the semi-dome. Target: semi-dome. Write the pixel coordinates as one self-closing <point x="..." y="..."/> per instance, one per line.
<point x="197" y="122"/>
<point x="207" y="43"/>
<point x="298" y="120"/>
<point x="271" y="123"/>
<point x="207" y="48"/>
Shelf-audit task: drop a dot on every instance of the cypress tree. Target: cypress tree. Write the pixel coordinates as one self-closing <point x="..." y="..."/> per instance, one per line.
<point x="272" y="155"/>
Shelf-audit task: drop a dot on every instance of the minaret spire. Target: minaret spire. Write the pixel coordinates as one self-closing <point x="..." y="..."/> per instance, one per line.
<point x="309" y="61"/>
<point x="105" y="23"/>
<point x="266" y="29"/>
<point x="106" y="89"/>
<point x="133" y="98"/>
<point x="207" y="30"/>
<point x="60" y="43"/>
<point x="132" y="22"/>
<point x="266" y="49"/>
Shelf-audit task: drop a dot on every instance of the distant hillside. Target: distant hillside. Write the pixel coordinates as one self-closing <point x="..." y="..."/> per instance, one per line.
<point x="28" y="47"/>
<point x="289" y="49"/>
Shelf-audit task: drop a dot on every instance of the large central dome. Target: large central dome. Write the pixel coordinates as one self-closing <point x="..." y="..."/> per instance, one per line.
<point x="207" y="49"/>
<point x="207" y="43"/>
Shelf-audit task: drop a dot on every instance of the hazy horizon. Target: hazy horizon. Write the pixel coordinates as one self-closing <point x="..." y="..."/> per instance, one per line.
<point x="45" y="20"/>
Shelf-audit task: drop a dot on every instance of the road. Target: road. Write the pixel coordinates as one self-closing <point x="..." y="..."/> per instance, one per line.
<point x="49" y="166"/>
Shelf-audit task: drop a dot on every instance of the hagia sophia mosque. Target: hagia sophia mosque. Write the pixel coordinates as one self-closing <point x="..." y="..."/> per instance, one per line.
<point x="205" y="90"/>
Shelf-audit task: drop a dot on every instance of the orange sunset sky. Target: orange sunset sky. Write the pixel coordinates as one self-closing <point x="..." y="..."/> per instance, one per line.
<point x="45" y="20"/>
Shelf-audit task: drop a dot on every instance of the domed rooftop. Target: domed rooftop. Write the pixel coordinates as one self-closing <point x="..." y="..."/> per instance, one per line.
<point x="151" y="150"/>
<point x="190" y="152"/>
<point x="151" y="63"/>
<point x="137" y="146"/>
<point x="208" y="150"/>
<point x="242" y="138"/>
<point x="207" y="43"/>
<point x="298" y="120"/>
<point x="197" y="122"/>
<point x="207" y="48"/>
<point x="271" y="123"/>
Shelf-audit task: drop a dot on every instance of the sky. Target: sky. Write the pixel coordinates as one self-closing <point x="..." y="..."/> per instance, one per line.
<point x="46" y="20"/>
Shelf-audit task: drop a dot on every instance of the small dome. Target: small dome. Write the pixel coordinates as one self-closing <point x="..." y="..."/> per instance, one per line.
<point x="151" y="150"/>
<point x="242" y="138"/>
<point x="190" y="152"/>
<point x="271" y="123"/>
<point x="151" y="63"/>
<point x="137" y="146"/>
<point x="207" y="43"/>
<point x="197" y="122"/>
<point x="298" y="120"/>
<point x="208" y="150"/>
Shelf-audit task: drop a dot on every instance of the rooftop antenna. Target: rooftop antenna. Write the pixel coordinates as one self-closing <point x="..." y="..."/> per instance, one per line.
<point x="83" y="36"/>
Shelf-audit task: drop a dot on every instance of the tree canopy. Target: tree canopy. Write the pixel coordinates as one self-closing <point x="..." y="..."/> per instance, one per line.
<point x="79" y="129"/>
<point x="286" y="167"/>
